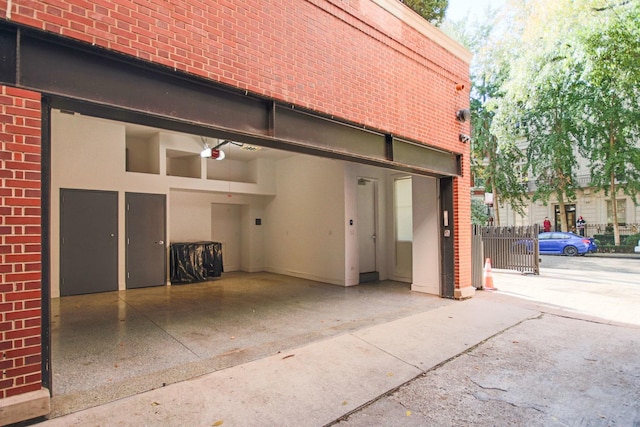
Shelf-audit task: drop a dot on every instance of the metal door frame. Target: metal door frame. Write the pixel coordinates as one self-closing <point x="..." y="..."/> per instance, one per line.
<point x="447" y="241"/>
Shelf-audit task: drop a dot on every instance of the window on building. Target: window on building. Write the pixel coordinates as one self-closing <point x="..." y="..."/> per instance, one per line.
<point x="622" y="211"/>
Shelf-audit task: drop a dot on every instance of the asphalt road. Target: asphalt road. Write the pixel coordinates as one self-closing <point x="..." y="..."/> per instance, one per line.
<point x="600" y="263"/>
<point x="576" y="364"/>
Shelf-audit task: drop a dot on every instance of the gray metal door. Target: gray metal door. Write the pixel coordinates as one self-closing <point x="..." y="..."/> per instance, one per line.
<point x="146" y="247"/>
<point x="88" y="241"/>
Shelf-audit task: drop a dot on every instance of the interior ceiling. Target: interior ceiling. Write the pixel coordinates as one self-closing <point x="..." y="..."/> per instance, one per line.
<point x="243" y="153"/>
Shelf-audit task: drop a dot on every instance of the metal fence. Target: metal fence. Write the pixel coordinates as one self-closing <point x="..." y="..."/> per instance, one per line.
<point x="597" y="229"/>
<point x="509" y="248"/>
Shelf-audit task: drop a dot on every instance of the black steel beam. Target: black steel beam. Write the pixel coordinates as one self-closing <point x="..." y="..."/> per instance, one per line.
<point x="331" y="135"/>
<point x="60" y="70"/>
<point x="96" y="81"/>
<point x="8" y="60"/>
<point x="408" y="152"/>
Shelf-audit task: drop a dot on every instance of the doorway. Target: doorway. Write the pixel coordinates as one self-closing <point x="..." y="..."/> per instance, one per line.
<point x="145" y="224"/>
<point x="570" y="213"/>
<point x="88" y="241"/>
<point x="367" y="229"/>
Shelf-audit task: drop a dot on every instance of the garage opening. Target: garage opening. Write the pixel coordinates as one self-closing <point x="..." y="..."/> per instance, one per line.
<point x="290" y="226"/>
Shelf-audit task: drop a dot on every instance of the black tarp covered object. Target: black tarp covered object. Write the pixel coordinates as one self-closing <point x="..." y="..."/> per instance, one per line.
<point x="195" y="261"/>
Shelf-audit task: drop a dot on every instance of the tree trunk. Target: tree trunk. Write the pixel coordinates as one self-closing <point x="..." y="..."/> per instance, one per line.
<point x="614" y="202"/>
<point x="563" y="212"/>
<point x="614" y="211"/>
<point x="496" y="208"/>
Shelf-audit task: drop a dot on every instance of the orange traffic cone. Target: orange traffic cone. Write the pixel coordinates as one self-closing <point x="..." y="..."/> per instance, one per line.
<point x="487" y="276"/>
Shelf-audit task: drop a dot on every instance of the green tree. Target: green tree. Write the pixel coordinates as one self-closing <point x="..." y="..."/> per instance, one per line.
<point x="431" y="10"/>
<point x="543" y="103"/>
<point x="496" y="163"/>
<point x="490" y="163"/>
<point x="479" y="213"/>
<point x="613" y="107"/>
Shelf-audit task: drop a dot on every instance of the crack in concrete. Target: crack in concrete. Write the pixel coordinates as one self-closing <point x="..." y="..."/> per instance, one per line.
<point x="487" y="388"/>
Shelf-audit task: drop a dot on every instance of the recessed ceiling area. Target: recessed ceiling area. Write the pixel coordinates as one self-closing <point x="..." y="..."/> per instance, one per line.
<point x="233" y="151"/>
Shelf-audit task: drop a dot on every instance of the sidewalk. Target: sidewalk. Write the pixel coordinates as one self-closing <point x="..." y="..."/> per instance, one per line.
<point x="614" y="255"/>
<point x="314" y="384"/>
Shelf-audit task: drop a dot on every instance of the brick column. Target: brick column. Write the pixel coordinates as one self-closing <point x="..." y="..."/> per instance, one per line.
<point x="20" y="255"/>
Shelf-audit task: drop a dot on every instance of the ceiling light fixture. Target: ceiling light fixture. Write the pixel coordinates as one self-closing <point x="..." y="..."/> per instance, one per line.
<point x="215" y="152"/>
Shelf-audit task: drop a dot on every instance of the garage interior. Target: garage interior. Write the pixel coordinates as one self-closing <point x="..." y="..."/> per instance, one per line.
<point x="111" y="345"/>
<point x="298" y="232"/>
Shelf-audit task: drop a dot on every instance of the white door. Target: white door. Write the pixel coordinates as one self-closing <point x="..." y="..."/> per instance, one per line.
<point x="367" y="224"/>
<point x="225" y="228"/>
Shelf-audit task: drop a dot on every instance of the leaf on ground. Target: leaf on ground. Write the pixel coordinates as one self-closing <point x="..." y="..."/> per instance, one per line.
<point x="408" y="413"/>
<point x="155" y="404"/>
<point x="345" y="403"/>
<point x="218" y="423"/>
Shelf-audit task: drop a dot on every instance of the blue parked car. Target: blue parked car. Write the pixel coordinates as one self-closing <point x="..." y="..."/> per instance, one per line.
<point x="563" y="243"/>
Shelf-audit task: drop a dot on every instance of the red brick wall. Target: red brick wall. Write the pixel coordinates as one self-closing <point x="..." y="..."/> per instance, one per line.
<point x="350" y="59"/>
<point x="462" y="222"/>
<point x="20" y="238"/>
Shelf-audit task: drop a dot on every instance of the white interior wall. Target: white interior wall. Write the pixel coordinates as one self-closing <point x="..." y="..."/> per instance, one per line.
<point x="225" y="228"/>
<point x="305" y="229"/>
<point x="304" y="223"/>
<point x="252" y="236"/>
<point x="90" y="153"/>
<point x="426" y="235"/>
<point x="199" y="216"/>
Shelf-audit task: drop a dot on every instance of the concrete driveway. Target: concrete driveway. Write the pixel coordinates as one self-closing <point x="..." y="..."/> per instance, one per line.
<point x="576" y="364"/>
<point x="555" y="349"/>
<point x="601" y="289"/>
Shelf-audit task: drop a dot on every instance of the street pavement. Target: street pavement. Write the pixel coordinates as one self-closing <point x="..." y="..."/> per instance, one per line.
<point x="575" y="364"/>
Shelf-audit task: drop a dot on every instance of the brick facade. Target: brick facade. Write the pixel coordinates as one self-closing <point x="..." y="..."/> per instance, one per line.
<point x="355" y="60"/>
<point x="300" y="52"/>
<point x="20" y="238"/>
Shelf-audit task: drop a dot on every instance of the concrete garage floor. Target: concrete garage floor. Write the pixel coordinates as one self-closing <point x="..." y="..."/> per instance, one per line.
<point x="111" y="345"/>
